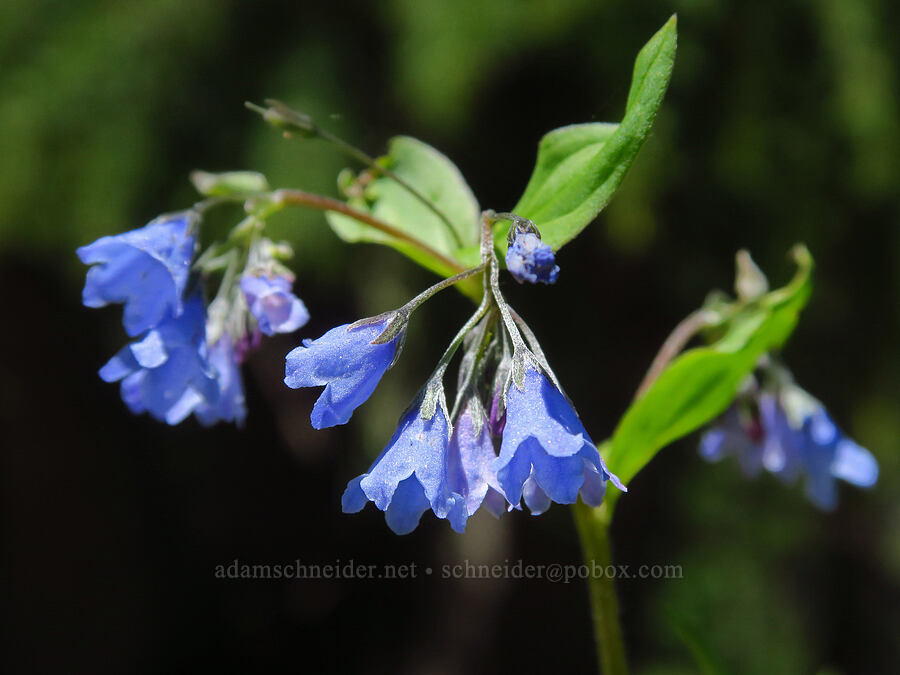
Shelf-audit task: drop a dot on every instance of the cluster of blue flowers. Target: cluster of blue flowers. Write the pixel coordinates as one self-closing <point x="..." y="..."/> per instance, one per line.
<point x="782" y="429"/>
<point x="512" y="435"/>
<point x="186" y="357"/>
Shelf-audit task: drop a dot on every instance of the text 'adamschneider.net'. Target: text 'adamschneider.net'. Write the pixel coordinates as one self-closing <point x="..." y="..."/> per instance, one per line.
<point x="518" y="569"/>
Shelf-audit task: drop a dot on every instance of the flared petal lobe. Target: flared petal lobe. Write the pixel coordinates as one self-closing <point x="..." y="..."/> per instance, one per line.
<point x="167" y="373"/>
<point x="145" y="269"/>
<point x="347" y="363"/>
<point x="544" y="440"/>
<point x="411" y="475"/>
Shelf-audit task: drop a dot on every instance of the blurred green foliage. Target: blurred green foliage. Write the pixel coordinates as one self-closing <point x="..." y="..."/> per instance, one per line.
<point x="780" y="126"/>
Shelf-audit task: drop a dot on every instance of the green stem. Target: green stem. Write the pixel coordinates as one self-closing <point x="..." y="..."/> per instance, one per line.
<point x="593" y="530"/>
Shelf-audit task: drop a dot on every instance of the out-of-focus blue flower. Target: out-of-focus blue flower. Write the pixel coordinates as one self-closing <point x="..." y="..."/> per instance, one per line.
<point x="146" y="269"/>
<point x="273" y="305"/>
<point x="789" y="433"/>
<point x="545" y="443"/>
<point x="411" y="475"/>
<point x="827" y="454"/>
<point x="167" y="373"/>
<point x="347" y="363"/>
<point x="230" y="405"/>
<point x="738" y="433"/>
<point x="471" y="461"/>
<point x="529" y="259"/>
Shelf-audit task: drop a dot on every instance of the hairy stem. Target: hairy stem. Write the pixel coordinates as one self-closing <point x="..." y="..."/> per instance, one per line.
<point x="439" y="286"/>
<point x="593" y="530"/>
<point x="287" y="197"/>
<point x="672" y="347"/>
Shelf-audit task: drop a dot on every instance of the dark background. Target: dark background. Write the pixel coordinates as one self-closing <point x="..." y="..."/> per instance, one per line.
<point x="781" y="125"/>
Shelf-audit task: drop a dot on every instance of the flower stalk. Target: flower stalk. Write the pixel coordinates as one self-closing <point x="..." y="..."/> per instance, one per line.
<point x="593" y="530"/>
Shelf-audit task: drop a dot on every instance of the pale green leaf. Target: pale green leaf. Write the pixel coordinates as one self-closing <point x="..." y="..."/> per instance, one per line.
<point x="438" y="180"/>
<point x="702" y="382"/>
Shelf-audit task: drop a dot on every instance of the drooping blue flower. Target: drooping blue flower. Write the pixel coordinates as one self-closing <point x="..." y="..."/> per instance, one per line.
<point x="230" y="405"/>
<point x="471" y="461"/>
<point x="411" y="475"/>
<point x="827" y="455"/>
<point x="544" y="441"/>
<point x="529" y="259"/>
<point x="347" y="363"/>
<point x="273" y="305"/>
<point x="790" y="434"/>
<point x="167" y="373"/>
<point x="738" y="433"/>
<point x="145" y="269"/>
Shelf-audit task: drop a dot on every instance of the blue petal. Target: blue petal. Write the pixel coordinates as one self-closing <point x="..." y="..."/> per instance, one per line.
<point x="472" y="456"/>
<point x="854" y="464"/>
<point x="594" y="488"/>
<point x="529" y="259"/>
<point x="347" y="363"/>
<point x="535" y="498"/>
<point x="231" y="406"/>
<point x="150" y="352"/>
<point x="175" y="377"/>
<point x="145" y="269"/>
<point x="406" y="507"/>
<point x="273" y="305"/>
<point x="411" y="474"/>
<point x="543" y="436"/>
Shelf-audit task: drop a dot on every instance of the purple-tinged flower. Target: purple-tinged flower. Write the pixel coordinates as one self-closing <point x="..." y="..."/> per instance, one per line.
<point x="273" y="305"/>
<point x="471" y="460"/>
<point x="167" y="373"/>
<point x="789" y="433"/>
<point x="247" y="344"/>
<point x="529" y="259"/>
<point x="411" y="475"/>
<point x="347" y="362"/>
<point x="740" y="433"/>
<point x="544" y="441"/>
<point x="145" y="269"/>
<point x="230" y="405"/>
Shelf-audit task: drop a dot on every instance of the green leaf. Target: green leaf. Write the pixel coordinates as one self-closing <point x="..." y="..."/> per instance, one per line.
<point x="437" y="179"/>
<point x="702" y="382"/>
<point x="579" y="167"/>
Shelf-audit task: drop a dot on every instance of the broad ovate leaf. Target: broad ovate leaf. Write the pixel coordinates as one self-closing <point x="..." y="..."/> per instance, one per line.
<point x="452" y="234"/>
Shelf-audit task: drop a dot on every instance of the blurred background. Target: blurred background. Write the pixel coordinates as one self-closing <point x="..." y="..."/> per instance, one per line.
<point x="780" y="125"/>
